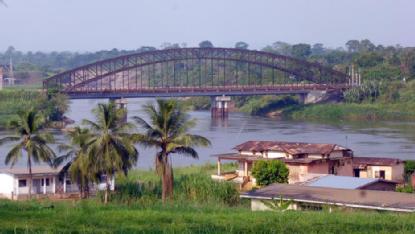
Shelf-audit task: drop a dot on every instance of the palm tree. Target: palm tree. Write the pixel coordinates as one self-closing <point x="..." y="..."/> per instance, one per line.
<point x="168" y="131"/>
<point x="32" y="139"/>
<point x="110" y="148"/>
<point x="76" y="159"/>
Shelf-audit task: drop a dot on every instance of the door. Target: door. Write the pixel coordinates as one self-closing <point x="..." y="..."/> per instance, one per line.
<point x="37" y="186"/>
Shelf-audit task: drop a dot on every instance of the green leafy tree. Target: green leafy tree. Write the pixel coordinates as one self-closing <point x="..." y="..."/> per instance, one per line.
<point x="167" y="131"/>
<point x="110" y="148"/>
<point x="241" y="45"/>
<point x="76" y="159"/>
<point x="206" y="44"/>
<point x="301" y="50"/>
<point x="267" y="172"/>
<point x="32" y="140"/>
<point x="353" y="46"/>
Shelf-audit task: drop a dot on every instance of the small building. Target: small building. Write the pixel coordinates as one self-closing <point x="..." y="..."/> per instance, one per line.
<point x="379" y="167"/>
<point x="300" y="197"/>
<point x="300" y="158"/>
<point x="349" y="182"/>
<point x="47" y="182"/>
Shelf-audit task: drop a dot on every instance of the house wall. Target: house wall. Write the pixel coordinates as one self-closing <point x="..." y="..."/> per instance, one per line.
<point x="319" y="168"/>
<point x="398" y="172"/>
<point x="336" y="154"/>
<point x="36" y="188"/>
<point x="6" y="185"/>
<point x="395" y="172"/>
<point x="371" y="171"/>
<point x="297" y="173"/>
<point x="274" y="154"/>
<point x="345" y="168"/>
<point x="315" y="155"/>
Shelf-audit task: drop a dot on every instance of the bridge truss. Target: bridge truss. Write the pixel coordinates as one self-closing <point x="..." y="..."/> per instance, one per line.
<point x="195" y="71"/>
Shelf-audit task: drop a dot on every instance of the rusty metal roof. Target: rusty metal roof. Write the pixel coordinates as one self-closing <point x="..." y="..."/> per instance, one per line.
<point x="359" y="162"/>
<point x="370" y="199"/>
<point x="244" y="157"/>
<point x="292" y="148"/>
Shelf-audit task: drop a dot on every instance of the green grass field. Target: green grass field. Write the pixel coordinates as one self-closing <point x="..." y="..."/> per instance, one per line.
<point x="200" y="206"/>
<point x="91" y="217"/>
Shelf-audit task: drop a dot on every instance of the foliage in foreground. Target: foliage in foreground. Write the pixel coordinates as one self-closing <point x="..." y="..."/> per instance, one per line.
<point x="268" y="172"/>
<point x="93" y="217"/>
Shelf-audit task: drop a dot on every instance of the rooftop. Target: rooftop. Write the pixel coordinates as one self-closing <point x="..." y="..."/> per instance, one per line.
<point x="368" y="199"/>
<point x="237" y="156"/>
<point x="289" y="147"/>
<point x="35" y="170"/>
<point x="342" y="182"/>
<point x="375" y="161"/>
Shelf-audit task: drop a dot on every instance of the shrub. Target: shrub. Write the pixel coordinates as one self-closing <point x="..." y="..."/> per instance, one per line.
<point x="270" y="171"/>
<point x="202" y="189"/>
<point x="405" y="189"/>
<point x="409" y="167"/>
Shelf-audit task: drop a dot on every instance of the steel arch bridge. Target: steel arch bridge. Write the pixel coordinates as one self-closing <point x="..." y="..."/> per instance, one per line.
<point x="196" y="72"/>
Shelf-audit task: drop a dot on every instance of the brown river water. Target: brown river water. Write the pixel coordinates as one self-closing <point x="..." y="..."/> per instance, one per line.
<point x="378" y="139"/>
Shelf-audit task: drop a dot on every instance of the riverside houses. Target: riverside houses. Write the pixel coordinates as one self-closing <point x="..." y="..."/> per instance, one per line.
<point x="304" y="161"/>
<point x="47" y="182"/>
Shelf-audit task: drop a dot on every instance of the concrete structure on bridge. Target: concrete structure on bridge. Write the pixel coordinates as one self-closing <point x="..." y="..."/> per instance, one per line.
<point x="220" y="106"/>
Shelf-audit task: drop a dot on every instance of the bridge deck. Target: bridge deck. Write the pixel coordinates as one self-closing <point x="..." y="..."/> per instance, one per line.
<point x="134" y="92"/>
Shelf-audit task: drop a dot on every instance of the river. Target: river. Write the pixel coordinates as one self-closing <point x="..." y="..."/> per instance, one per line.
<point x="378" y="139"/>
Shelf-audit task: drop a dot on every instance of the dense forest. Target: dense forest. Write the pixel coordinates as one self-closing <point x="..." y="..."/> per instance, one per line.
<point x="387" y="74"/>
<point x="377" y="62"/>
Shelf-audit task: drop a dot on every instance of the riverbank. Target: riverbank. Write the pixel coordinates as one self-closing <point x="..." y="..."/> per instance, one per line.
<point x="13" y="100"/>
<point x="200" y="205"/>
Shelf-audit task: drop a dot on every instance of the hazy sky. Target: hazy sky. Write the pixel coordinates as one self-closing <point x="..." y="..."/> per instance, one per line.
<point x="89" y="25"/>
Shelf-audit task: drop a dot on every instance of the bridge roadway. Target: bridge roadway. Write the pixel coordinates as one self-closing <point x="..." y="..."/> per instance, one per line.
<point x="248" y="90"/>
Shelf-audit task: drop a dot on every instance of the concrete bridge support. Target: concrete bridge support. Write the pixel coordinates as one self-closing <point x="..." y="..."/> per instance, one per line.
<point x="121" y="103"/>
<point x="312" y="97"/>
<point x="220" y="106"/>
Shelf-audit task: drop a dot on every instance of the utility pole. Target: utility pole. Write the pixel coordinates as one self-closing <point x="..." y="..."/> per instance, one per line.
<point x="1" y="77"/>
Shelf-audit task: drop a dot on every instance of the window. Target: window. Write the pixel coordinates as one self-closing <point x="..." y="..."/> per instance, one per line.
<point x="356" y="172"/>
<point x="47" y="182"/>
<point x="380" y="174"/>
<point x="22" y="183"/>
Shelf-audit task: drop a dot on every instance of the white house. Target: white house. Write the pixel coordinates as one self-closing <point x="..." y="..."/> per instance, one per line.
<point x="14" y="183"/>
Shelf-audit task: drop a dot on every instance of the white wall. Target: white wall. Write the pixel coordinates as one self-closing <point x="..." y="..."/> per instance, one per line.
<point x="6" y="185"/>
<point x="274" y="154"/>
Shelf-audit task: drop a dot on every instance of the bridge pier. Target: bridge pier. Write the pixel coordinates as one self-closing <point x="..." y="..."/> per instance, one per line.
<point x="121" y="103"/>
<point x="220" y="106"/>
<point x="312" y="97"/>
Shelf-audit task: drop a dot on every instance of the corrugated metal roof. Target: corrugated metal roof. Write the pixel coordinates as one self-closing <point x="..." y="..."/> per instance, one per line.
<point x="348" y="197"/>
<point x="289" y="147"/>
<point x="35" y="170"/>
<point x="376" y="161"/>
<point x="342" y="182"/>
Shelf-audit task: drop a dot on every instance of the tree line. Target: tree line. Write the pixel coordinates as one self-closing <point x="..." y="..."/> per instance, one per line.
<point x="376" y="62"/>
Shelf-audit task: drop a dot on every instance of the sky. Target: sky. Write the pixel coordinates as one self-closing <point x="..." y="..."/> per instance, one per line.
<point x="91" y="25"/>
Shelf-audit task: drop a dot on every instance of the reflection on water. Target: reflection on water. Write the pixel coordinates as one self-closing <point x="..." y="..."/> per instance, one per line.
<point x="384" y="139"/>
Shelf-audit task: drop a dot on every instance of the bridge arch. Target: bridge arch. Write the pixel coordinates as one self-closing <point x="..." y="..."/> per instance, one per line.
<point x="182" y="68"/>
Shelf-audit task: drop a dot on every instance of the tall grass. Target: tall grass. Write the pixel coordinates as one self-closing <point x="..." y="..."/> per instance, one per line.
<point x="191" y="185"/>
<point x="92" y="217"/>
<point x="11" y="101"/>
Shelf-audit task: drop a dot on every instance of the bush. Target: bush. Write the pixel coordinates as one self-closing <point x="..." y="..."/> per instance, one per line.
<point x="202" y="189"/>
<point x="270" y="171"/>
<point x="405" y="189"/>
